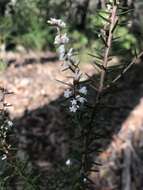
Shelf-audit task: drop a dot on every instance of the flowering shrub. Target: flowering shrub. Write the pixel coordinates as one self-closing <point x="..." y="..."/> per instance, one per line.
<point x="5" y="126"/>
<point x="75" y="172"/>
<point x="76" y="93"/>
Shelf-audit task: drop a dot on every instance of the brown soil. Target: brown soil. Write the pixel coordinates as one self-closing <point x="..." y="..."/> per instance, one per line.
<point x="41" y="123"/>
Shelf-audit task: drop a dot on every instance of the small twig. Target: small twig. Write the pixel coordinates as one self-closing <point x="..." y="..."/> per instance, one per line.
<point x="111" y="24"/>
<point x="126" y="69"/>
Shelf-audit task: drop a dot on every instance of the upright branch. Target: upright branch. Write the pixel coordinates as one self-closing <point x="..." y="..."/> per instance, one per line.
<point x="109" y="29"/>
<point x="107" y="37"/>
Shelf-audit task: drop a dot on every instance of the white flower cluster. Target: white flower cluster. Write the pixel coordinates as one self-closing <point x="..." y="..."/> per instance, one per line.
<point x="57" y="22"/>
<point x="77" y="100"/>
<point x="67" y="56"/>
<point x="4" y="129"/>
<point x="61" y="39"/>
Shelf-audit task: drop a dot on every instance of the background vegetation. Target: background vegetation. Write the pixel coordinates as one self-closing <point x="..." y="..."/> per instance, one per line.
<point x="24" y="22"/>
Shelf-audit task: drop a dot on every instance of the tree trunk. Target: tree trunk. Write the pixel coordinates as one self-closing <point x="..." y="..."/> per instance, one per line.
<point x="78" y="12"/>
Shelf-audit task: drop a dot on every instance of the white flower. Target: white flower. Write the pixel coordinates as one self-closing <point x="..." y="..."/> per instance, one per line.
<point x="73" y="108"/>
<point x="64" y="38"/>
<point x="4" y="157"/>
<point x="67" y="93"/>
<point x="61" y="39"/>
<point x="109" y="7"/>
<point x="83" y="90"/>
<point x="68" y="162"/>
<point x="74" y="102"/>
<point x="57" y="39"/>
<point x="10" y="123"/>
<point x="84" y="179"/>
<point x="81" y="99"/>
<point x="57" y="22"/>
<point x="61" y="51"/>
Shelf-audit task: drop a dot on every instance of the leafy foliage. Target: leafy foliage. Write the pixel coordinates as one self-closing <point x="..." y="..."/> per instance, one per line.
<point x="25" y="23"/>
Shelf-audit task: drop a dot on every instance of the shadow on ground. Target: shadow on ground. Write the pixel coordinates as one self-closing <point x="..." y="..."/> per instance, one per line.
<point x="45" y="133"/>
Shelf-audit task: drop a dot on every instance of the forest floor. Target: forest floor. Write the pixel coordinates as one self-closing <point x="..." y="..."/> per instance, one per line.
<point x="40" y="122"/>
